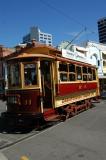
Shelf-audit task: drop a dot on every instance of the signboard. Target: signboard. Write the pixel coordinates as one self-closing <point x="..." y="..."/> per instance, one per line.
<point x="74" y="55"/>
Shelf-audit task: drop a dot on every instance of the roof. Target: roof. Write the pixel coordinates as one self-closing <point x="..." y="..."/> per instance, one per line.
<point x="32" y="49"/>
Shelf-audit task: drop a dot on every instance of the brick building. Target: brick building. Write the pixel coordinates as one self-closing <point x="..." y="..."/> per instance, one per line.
<point x="3" y="52"/>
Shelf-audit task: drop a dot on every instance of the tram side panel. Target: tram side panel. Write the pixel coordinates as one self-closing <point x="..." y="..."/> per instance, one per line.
<point x="23" y="101"/>
<point x="74" y="92"/>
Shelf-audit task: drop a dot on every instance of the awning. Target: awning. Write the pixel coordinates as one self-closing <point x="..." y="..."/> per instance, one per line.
<point x="81" y="49"/>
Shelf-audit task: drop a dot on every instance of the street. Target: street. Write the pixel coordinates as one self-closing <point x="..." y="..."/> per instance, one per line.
<point x="82" y="137"/>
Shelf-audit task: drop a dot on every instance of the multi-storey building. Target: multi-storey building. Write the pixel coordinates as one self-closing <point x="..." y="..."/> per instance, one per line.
<point x="41" y="37"/>
<point x="102" y="30"/>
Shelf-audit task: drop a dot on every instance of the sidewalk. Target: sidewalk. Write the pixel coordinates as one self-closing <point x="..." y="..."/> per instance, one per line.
<point x="2" y="157"/>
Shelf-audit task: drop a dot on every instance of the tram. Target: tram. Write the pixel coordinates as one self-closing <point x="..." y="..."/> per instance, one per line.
<point x="42" y="84"/>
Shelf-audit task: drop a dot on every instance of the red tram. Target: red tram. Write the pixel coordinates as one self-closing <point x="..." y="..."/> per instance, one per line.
<point x="42" y="84"/>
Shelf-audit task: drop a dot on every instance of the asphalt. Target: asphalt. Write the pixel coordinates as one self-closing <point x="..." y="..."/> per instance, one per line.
<point x="82" y="137"/>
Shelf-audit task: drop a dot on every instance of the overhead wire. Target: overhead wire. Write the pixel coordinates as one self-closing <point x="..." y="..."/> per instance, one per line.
<point x="85" y="28"/>
<point x="65" y="15"/>
<point x="61" y="12"/>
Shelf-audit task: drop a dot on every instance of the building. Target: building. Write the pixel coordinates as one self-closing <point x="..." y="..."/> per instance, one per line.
<point x="97" y="54"/>
<point x="102" y="30"/>
<point x="73" y="51"/>
<point x="3" y="76"/>
<point x="41" y="37"/>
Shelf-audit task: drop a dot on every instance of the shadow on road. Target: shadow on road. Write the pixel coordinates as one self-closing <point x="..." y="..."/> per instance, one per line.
<point x="6" y="127"/>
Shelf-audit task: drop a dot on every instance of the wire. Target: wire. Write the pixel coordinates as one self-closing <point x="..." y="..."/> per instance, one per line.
<point x="67" y="16"/>
<point x="61" y="12"/>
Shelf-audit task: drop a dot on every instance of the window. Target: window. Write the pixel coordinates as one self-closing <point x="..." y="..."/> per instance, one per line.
<point x="89" y="74"/>
<point x="63" y="77"/>
<point x="63" y="67"/>
<point x="85" y="78"/>
<point x="45" y="35"/>
<point x="67" y="72"/>
<point x="13" y="75"/>
<point x="79" y="74"/>
<point x="98" y="63"/>
<point x="72" y="72"/>
<point x="71" y="77"/>
<point x="103" y="56"/>
<point x="71" y="68"/>
<point x="104" y="63"/>
<point x="85" y="71"/>
<point x="30" y="74"/>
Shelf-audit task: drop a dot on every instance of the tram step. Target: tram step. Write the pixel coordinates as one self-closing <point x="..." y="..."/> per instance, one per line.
<point x="53" y="118"/>
<point x="49" y="112"/>
<point x="51" y="115"/>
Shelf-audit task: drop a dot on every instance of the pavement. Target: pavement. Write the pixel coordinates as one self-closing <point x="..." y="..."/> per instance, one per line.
<point x="2" y="157"/>
<point x="82" y="137"/>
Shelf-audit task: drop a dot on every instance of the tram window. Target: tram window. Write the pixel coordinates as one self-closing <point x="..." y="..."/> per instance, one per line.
<point x="84" y="69"/>
<point x="71" y="68"/>
<point x="79" y="74"/>
<point x="13" y="75"/>
<point x="63" y="77"/>
<point x="85" y="77"/>
<point x="89" y="74"/>
<point x="89" y="77"/>
<point x="94" y="75"/>
<point x="71" y="77"/>
<point x="85" y="73"/>
<point x="89" y="70"/>
<point x="63" y="67"/>
<point x="30" y="74"/>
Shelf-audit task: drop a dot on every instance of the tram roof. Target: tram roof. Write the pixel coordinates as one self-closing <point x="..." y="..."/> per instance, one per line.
<point x="34" y="50"/>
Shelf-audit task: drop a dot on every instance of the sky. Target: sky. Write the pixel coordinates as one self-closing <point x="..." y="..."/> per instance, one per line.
<point x="64" y="19"/>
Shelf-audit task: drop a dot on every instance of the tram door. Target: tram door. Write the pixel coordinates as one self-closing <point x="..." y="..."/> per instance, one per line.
<point x="47" y="83"/>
